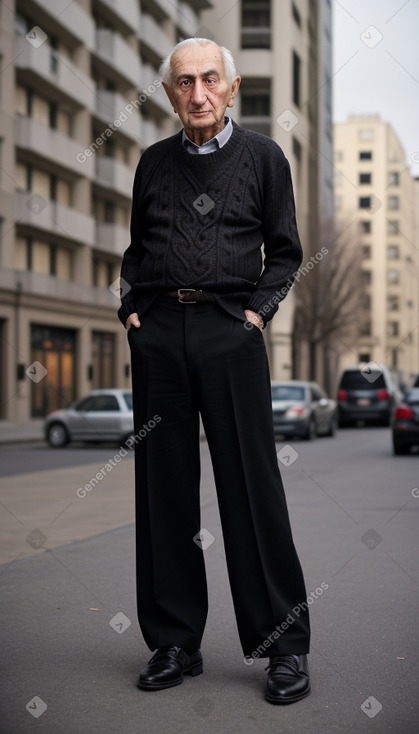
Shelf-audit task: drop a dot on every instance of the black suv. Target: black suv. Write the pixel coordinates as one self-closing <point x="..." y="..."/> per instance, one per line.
<point x="367" y="394"/>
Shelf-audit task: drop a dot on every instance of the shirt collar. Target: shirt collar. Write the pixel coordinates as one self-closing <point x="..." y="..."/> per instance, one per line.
<point x="219" y="140"/>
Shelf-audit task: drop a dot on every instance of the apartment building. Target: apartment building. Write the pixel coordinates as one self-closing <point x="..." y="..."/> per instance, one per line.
<point x="376" y="193"/>
<point x="80" y="99"/>
<point x="283" y="52"/>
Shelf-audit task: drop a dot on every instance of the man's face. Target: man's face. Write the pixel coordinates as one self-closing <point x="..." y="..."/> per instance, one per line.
<point x="199" y="91"/>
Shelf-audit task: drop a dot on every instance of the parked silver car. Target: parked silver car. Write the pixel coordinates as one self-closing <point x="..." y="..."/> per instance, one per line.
<point x="102" y="415"/>
<point x="302" y="409"/>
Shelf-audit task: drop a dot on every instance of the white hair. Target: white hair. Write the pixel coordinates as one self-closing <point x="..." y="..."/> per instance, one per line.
<point x="165" y="70"/>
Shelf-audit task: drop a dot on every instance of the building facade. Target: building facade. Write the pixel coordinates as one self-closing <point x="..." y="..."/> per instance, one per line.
<point x="80" y="99"/>
<point x="375" y="193"/>
<point x="283" y="52"/>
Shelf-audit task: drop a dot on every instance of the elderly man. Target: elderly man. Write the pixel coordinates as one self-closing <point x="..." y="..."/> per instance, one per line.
<point x="204" y="202"/>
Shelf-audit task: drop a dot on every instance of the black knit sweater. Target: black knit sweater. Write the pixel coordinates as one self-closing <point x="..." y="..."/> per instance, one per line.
<point x="199" y="221"/>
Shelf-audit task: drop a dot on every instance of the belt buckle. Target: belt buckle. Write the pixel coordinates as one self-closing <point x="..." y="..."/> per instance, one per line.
<point x="181" y="292"/>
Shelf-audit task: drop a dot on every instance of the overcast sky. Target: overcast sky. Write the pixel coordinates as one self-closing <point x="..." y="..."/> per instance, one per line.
<point x="381" y="75"/>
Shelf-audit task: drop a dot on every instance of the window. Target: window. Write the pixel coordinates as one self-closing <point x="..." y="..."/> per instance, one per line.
<point x="288" y="392"/>
<point x="365" y="133"/>
<point x="365" y="227"/>
<point x="255" y="99"/>
<point x="365" y="202"/>
<point x="365" y="301"/>
<point x="392" y="227"/>
<point x="392" y="328"/>
<point x="393" y="277"/>
<point x="21" y="25"/>
<point x="393" y="179"/>
<point x="98" y="403"/>
<point x="297" y="151"/>
<point x="53" y="58"/>
<point x="393" y="252"/>
<point x="366" y="252"/>
<point x="365" y="178"/>
<point x="364" y="357"/>
<point x="296" y="14"/>
<point x="256" y="24"/>
<point x="103" y="359"/>
<point x="365" y="155"/>
<point x="393" y="202"/>
<point x="365" y="328"/>
<point x="393" y="303"/>
<point x="296" y="72"/>
<point x="366" y="277"/>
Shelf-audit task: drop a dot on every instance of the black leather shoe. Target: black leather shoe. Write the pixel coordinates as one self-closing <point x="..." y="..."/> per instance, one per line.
<point x="168" y="666"/>
<point x="288" y="679"/>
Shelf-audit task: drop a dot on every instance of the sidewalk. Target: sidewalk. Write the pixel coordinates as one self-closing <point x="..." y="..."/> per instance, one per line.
<point x="29" y="432"/>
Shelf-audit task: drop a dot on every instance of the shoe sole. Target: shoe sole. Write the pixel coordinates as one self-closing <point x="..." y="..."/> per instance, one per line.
<point x="284" y="702"/>
<point x="194" y="670"/>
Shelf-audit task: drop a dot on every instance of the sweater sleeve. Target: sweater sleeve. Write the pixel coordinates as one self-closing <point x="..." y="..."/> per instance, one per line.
<point x="283" y="252"/>
<point x="132" y="256"/>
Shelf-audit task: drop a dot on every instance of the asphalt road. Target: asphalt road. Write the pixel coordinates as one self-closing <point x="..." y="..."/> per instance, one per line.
<point x="71" y="643"/>
<point x="25" y="459"/>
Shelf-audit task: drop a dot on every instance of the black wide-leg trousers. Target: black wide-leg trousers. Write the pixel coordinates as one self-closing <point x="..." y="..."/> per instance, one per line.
<point x="191" y="359"/>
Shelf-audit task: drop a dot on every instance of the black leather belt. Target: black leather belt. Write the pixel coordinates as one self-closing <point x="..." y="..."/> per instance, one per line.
<point x="191" y="295"/>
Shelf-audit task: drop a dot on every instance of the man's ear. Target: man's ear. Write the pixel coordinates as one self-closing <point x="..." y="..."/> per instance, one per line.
<point x="169" y="92"/>
<point x="234" y="90"/>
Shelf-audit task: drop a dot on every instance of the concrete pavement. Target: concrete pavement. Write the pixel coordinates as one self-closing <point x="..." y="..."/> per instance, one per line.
<point x="70" y="638"/>
<point x="14" y="432"/>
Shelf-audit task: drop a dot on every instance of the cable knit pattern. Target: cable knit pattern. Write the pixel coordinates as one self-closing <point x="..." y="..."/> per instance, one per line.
<point x="200" y="221"/>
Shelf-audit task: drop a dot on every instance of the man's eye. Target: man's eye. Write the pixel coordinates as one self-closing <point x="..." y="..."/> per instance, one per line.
<point x="185" y="83"/>
<point x="210" y="81"/>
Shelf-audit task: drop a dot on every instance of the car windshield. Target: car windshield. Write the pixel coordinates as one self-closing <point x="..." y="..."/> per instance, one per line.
<point x="288" y="392"/>
<point x="412" y="398"/>
<point x="355" y="380"/>
<point x="128" y="399"/>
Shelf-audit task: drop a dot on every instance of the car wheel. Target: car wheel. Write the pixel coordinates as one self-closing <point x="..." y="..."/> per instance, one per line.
<point x="401" y="449"/>
<point x="311" y="430"/>
<point x="57" y="435"/>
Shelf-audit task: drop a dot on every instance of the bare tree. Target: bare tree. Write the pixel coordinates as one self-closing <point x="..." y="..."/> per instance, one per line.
<point x="330" y="300"/>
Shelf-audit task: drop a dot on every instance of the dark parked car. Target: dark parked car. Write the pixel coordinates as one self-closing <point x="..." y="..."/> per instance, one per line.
<point x="102" y="415"/>
<point x="406" y="423"/>
<point x="302" y="409"/>
<point x="367" y="394"/>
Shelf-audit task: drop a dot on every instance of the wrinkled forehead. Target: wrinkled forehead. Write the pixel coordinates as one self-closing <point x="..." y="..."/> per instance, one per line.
<point x="195" y="60"/>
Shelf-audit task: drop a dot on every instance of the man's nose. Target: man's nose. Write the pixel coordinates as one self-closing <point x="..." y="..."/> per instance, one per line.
<point x="198" y="93"/>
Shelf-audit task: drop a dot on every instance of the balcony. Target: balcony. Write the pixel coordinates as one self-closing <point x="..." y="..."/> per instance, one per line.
<point x="58" y="289"/>
<point x="41" y="140"/>
<point x="34" y="211"/>
<point x="111" y="106"/>
<point x="187" y="20"/>
<point x="150" y="133"/>
<point x="152" y="36"/>
<point x="159" y="97"/>
<point x="112" y="238"/>
<point x="67" y="81"/>
<point x="73" y="19"/>
<point x="118" y="55"/>
<point x="112" y="174"/>
<point x="125" y="11"/>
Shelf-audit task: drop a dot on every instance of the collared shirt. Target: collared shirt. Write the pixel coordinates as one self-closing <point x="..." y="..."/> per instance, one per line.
<point x="211" y="145"/>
